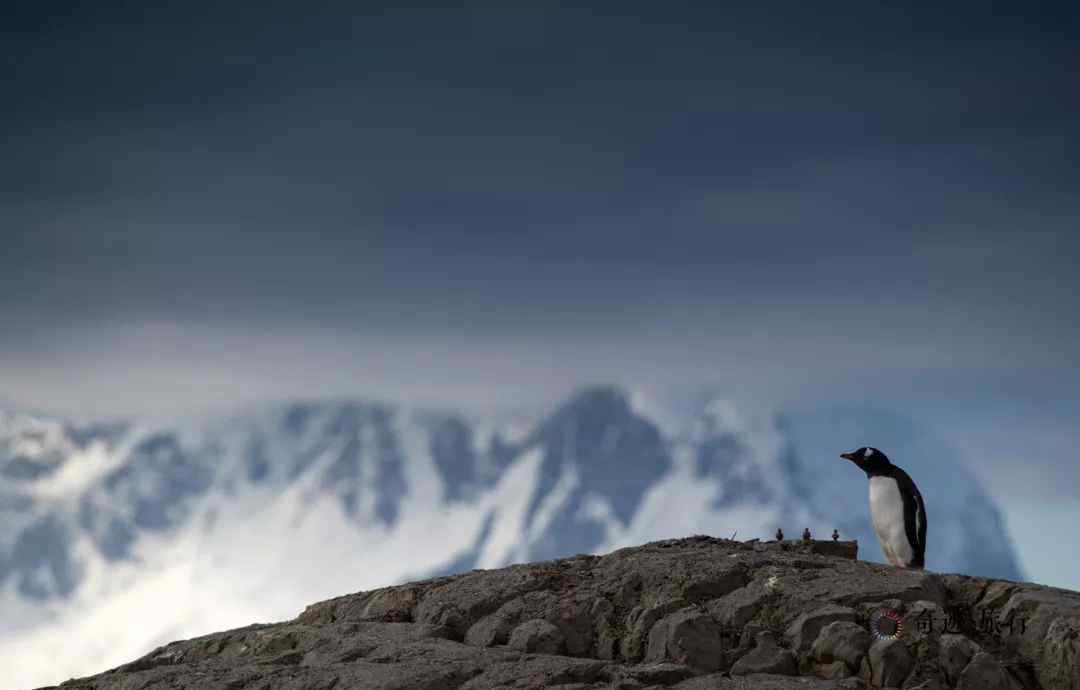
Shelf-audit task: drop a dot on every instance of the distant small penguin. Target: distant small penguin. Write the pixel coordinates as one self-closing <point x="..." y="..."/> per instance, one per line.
<point x="806" y="534"/>
<point x="896" y="508"/>
<point x="836" y="535"/>
<point x="779" y="534"/>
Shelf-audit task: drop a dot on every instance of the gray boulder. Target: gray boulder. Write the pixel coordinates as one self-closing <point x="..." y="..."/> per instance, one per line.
<point x="955" y="653"/>
<point x="689" y="636"/>
<point x="738" y="608"/>
<point x="890" y="662"/>
<point x="766" y="657"/>
<point x="1061" y="654"/>
<point x="1043" y="624"/>
<point x="841" y="641"/>
<point x="984" y="672"/>
<point x="537" y="636"/>
<point x="834" y="670"/>
<point x="923" y="619"/>
<point x="805" y="629"/>
<point x="640" y="621"/>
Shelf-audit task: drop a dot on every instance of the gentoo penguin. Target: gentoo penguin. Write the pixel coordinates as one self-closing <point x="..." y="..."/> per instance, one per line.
<point x="896" y="508"/>
<point x="779" y="534"/>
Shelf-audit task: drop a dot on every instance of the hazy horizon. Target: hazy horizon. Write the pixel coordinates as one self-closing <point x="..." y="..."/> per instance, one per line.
<point x="1038" y="506"/>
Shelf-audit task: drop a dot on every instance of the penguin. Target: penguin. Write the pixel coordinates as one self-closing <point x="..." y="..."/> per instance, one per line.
<point x="836" y="535"/>
<point x="896" y="508"/>
<point x="806" y="534"/>
<point x="779" y="534"/>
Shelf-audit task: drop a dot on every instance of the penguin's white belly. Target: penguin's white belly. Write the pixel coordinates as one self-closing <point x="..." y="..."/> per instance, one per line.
<point x="887" y="513"/>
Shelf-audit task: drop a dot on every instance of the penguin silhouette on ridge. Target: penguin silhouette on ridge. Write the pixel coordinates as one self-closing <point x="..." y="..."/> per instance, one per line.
<point x="896" y="508"/>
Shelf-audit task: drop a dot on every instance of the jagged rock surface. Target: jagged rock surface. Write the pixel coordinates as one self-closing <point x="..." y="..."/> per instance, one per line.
<point x="657" y="615"/>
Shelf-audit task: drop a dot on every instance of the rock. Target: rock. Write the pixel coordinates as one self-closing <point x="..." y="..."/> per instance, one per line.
<point x="664" y="673"/>
<point x="689" y="636"/>
<point x="1041" y="624"/>
<point x="530" y="671"/>
<point x="576" y="625"/>
<point x="766" y="657"/>
<point x="841" y="641"/>
<point x="869" y="608"/>
<point x="997" y="594"/>
<point x="495" y="628"/>
<point x="865" y="673"/>
<point x="805" y="629"/>
<point x="955" y="653"/>
<point x="736" y="609"/>
<point x="890" y="663"/>
<point x="923" y="619"/>
<point x="711" y="585"/>
<point x="840" y="549"/>
<point x="641" y="621"/>
<point x="390" y="604"/>
<point x="588" y="622"/>
<point x="965" y="590"/>
<point x="984" y="672"/>
<point x="758" y="681"/>
<point x="1061" y="655"/>
<point x="604" y="618"/>
<point x="832" y="671"/>
<point x="537" y="636"/>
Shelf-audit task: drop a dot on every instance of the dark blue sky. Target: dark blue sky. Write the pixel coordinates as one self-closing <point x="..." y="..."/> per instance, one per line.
<point x="205" y="204"/>
<point x="199" y="199"/>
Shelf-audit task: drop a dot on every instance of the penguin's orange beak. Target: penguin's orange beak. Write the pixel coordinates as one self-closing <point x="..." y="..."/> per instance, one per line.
<point x="848" y="456"/>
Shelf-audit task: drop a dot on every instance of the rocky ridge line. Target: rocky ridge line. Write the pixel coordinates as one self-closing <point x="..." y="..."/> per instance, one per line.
<point x="690" y="613"/>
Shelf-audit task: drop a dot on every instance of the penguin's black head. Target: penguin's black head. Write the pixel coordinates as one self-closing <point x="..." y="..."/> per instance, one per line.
<point x="869" y="460"/>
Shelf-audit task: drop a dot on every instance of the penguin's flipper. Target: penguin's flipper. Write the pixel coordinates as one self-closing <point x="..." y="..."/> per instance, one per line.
<point x="914" y="519"/>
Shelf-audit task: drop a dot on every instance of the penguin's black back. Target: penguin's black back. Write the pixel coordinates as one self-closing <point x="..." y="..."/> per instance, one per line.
<point x="914" y="526"/>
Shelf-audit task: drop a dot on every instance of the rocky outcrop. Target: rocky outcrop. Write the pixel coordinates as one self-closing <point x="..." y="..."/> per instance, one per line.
<point x="686" y="613"/>
<point x="766" y="657"/>
<point x="842" y="642"/>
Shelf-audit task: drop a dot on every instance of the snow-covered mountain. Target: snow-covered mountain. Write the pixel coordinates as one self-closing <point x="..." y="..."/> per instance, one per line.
<point x="118" y="537"/>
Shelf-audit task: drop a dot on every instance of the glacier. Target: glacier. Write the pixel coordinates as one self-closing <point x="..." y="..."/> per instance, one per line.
<point x="118" y="537"/>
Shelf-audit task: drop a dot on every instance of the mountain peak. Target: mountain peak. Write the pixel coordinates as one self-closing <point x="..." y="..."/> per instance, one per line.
<point x="226" y="520"/>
